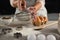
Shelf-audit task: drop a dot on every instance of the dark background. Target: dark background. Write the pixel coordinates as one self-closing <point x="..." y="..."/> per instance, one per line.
<point x="53" y="6"/>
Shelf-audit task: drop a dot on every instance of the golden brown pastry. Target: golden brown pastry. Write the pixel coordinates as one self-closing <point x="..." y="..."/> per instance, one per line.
<point x="45" y="20"/>
<point x="36" y="21"/>
<point x="42" y="20"/>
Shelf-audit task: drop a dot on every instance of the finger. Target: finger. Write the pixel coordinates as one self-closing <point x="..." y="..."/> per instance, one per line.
<point x="28" y="9"/>
<point x="24" y="7"/>
<point x="31" y="8"/>
<point x="19" y="4"/>
<point x="25" y="4"/>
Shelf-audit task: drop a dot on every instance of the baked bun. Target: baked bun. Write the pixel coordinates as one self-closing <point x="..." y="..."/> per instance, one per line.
<point x="36" y="21"/>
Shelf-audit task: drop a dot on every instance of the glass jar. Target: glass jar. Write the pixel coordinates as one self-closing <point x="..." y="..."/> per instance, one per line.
<point x="24" y="17"/>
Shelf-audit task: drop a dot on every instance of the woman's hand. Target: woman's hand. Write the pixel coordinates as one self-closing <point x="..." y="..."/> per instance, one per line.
<point x="21" y="4"/>
<point x="32" y="10"/>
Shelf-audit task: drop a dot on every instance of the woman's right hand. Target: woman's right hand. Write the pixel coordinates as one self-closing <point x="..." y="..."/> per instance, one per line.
<point x="21" y="4"/>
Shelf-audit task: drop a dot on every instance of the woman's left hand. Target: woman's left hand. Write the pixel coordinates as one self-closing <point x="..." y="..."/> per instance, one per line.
<point x="31" y="10"/>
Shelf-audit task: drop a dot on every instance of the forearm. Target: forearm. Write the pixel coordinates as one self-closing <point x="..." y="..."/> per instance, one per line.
<point x="13" y="3"/>
<point x="38" y="5"/>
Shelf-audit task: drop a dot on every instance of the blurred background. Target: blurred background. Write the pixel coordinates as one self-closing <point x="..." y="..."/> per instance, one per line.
<point x="53" y="8"/>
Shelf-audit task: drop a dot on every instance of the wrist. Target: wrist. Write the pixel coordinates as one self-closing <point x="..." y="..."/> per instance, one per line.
<point x="37" y="6"/>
